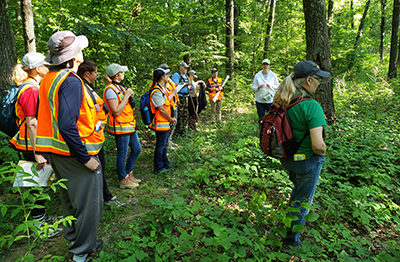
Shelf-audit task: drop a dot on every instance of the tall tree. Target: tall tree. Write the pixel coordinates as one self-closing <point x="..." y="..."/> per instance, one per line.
<point x="392" y="73"/>
<point x="229" y="43"/>
<point x="8" y="56"/>
<point x="330" y="18"/>
<point x="352" y="13"/>
<point x="270" y="24"/>
<point x="28" y="28"/>
<point x="319" y="51"/>
<point x="359" y="33"/>
<point x="383" y="24"/>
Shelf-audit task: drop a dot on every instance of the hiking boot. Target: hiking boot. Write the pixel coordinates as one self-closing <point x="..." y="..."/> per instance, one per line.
<point x="127" y="183"/>
<point x="133" y="178"/>
<point x="115" y="202"/>
<point x="99" y="244"/>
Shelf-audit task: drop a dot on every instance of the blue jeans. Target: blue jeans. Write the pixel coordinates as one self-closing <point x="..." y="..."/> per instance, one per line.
<point x="160" y="153"/>
<point x="123" y="141"/>
<point x="304" y="175"/>
<point x="262" y="108"/>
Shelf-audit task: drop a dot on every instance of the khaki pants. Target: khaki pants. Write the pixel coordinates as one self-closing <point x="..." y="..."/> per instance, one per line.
<point x="215" y="106"/>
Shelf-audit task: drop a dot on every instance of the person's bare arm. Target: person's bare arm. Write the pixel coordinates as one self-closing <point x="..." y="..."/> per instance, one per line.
<point x="116" y="108"/>
<point x="31" y="125"/>
<point x="317" y="141"/>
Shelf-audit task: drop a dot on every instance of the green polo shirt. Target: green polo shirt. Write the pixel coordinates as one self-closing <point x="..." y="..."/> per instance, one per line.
<point x="304" y="116"/>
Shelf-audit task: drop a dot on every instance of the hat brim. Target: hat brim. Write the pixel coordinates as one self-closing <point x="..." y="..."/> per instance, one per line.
<point x="123" y="69"/>
<point x="323" y="74"/>
<point x="80" y="43"/>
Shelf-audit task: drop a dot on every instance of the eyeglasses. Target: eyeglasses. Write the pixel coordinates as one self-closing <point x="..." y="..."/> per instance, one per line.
<point x="318" y="78"/>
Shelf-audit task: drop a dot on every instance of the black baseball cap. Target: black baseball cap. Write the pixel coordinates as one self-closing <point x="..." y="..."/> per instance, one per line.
<point x="308" y="68"/>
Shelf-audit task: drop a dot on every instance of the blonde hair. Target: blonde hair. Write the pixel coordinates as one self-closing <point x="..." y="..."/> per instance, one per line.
<point x="107" y="79"/>
<point x="287" y="90"/>
<point x="20" y="73"/>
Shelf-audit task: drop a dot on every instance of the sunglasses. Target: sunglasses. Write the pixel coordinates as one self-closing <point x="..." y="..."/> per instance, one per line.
<point x="318" y="78"/>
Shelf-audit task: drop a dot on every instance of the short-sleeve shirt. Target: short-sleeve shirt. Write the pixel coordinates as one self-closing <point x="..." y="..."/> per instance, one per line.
<point x="28" y="101"/>
<point x="110" y="94"/>
<point x="304" y="116"/>
<point x="157" y="98"/>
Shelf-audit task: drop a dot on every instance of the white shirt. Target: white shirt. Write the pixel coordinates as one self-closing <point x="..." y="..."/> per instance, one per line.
<point x="265" y="94"/>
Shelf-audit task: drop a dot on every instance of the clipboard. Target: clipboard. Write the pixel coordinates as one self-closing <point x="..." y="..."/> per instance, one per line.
<point x="44" y="178"/>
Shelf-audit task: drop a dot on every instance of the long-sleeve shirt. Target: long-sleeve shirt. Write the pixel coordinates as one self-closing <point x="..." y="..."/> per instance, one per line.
<point x="265" y="94"/>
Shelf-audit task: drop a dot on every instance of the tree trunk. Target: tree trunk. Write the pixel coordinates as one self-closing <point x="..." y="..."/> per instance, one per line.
<point x="237" y="41"/>
<point x="383" y="24"/>
<point x="8" y="54"/>
<point x="360" y="29"/>
<point x="330" y="19"/>
<point x="392" y="73"/>
<point x="186" y="39"/>
<point x="319" y="51"/>
<point x="230" y="47"/>
<point x="269" y="28"/>
<point x="28" y="27"/>
<point x="352" y="14"/>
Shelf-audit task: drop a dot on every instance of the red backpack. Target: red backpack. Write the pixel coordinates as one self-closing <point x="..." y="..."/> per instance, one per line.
<point x="276" y="138"/>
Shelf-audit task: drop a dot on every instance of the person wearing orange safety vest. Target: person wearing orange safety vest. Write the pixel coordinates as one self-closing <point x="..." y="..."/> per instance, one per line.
<point x="87" y="71"/>
<point x="214" y="85"/>
<point x="160" y="105"/>
<point x="170" y="85"/>
<point x="27" y="76"/>
<point x="70" y="130"/>
<point x="121" y="124"/>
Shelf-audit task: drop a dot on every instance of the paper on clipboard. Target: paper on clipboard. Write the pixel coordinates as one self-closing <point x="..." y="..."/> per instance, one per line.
<point x="179" y="87"/>
<point x="217" y="95"/>
<point x="43" y="180"/>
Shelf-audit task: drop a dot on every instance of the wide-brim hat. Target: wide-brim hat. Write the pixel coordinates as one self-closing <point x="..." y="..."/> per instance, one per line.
<point x="114" y="69"/>
<point x="64" y="46"/>
<point x="33" y="60"/>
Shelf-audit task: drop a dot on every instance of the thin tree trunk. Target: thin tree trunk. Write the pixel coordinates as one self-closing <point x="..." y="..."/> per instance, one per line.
<point x="28" y="27"/>
<point x="270" y="25"/>
<point x="360" y="29"/>
<point x="8" y="54"/>
<point x="383" y="24"/>
<point x="319" y="51"/>
<point x="352" y="14"/>
<point x="330" y="19"/>
<point x="230" y="25"/>
<point x="186" y="39"/>
<point x="392" y="73"/>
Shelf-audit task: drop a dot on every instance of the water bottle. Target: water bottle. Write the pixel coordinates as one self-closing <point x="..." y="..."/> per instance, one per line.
<point x="146" y="115"/>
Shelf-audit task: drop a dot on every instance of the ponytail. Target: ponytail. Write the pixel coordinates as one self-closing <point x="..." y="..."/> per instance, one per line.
<point x="19" y="74"/>
<point x="287" y="89"/>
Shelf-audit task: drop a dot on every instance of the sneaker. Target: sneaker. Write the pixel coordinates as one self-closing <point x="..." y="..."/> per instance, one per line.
<point x="127" y="183"/>
<point x="115" y="202"/>
<point x="171" y="147"/>
<point x="99" y="244"/>
<point x="133" y="178"/>
<point x="81" y="258"/>
<point x="170" y="166"/>
<point x="91" y="257"/>
<point x="162" y="171"/>
<point x="52" y="233"/>
<point x="50" y="220"/>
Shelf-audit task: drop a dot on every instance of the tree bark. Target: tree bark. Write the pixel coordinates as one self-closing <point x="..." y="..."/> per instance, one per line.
<point x="186" y="39"/>
<point x="229" y="40"/>
<point x="352" y="14"/>
<point x="270" y="25"/>
<point x="8" y="54"/>
<point x="28" y="27"/>
<point x="392" y="73"/>
<point x="319" y="51"/>
<point x="360" y="30"/>
<point x="330" y="19"/>
<point x="383" y="24"/>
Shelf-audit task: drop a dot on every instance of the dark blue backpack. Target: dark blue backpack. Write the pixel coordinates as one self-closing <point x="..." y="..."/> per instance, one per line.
<point x="7" y="106"/>
<point x="145" y="109"/>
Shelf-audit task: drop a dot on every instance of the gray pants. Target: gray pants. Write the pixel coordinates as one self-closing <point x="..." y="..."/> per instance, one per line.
<point x="83" y="200"/>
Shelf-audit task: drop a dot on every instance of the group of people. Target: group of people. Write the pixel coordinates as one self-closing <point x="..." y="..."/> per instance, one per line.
<point x="62" y="121"/>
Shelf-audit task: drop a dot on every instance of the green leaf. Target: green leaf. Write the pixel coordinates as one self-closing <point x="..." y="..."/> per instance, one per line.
<point x="311" y="217"/>
<point x="365" y="218"/>
<point x="287" y="221"/>
<point x="3" y="210"/>
<point x="298" y="227"/>
<point x="356" y="213"/>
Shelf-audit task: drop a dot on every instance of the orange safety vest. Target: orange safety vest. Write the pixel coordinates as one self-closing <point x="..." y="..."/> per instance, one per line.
<point x="21" y="140"/>
<point x="171" y="85"/>
<point x="48" y="137"/>
<point x="101" y="115"/>
<point x="124" y="123"/>
<point x="160" y="123"/>
<point x="212" y="94"/>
